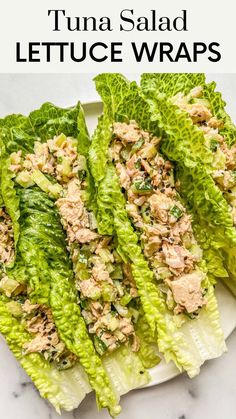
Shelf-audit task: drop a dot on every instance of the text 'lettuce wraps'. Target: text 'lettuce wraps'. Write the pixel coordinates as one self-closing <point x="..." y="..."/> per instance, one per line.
<point x="136" y="184"/>
<point x="200" y="137"/>
<point x="70" y="293"/>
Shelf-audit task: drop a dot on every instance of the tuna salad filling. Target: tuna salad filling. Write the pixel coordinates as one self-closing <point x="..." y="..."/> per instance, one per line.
<point x="224" y="163"/>
<point x="38" y="321"/>
<point x="6" y="238"/>
<point x="106" y="290"/>
<point x="159" y="217"/>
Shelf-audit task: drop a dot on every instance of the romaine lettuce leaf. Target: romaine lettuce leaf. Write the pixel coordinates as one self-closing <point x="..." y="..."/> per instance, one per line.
<point x="183" y="143"/>
<point x="64" y="389"/>
<point x="41" y="255"/>
<point x="42" y="261"/>
<point x="186" y="345"/>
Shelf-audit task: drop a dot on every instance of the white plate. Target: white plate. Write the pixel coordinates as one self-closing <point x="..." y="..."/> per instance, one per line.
<point x="227" y="303"/>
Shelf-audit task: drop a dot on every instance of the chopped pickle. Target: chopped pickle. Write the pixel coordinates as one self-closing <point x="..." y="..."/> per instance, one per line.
<point x="137" y="146"/>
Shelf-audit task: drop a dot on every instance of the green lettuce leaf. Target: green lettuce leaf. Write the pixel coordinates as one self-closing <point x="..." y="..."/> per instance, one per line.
<point x="41" y="255"/>
<point x="183" y="143"/>
<point x="42" y="261"/>
<point x="64" y="389"/>
<point x="185" y="344"/>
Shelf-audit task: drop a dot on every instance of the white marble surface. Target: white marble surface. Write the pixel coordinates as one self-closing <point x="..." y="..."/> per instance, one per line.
<point x="210" y="395"/>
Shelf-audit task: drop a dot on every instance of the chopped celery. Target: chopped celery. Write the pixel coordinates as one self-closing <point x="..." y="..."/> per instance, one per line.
<point x="8" y="285"/>
<point x="38" y="148"/>
<point x="137" y="164"/>
<point x="123" y="311"/>
<point x="112" y="322"/>
<point x="60" y="140"/>
<point x="15" y="158"/>
<point x="81" y="163"/>
<point x="82" y="273"/>
<point x="92" y="221"/>
<point x="125" y="153"/>
<point x="108" y="292"/>
<point x="24" y="179"/>
<point x="196" y="251"/>
<point x="53" y="189"/>
<point x="219" y="160"/>
<point x="213" y="144"/>
<point x="148" y="152"/>
<point x="82" y="174"/>
<point x="119" y="288"/>
<point x="66" y="166"/>
<point x="125" y="299"/>
<point x="233" y="174"/>
<point x="109" y="267"/>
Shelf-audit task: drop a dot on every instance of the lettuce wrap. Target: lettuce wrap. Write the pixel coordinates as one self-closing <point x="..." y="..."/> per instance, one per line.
<point x="126" y="142"/>
<point x="200" y="137"/>
<point x="47" y="188"/>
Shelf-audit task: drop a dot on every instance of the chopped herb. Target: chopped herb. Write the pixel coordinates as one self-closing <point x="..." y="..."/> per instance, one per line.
<point x="82" y="174"/>
<point x="125" y="299"/>
<point x="213" y="144"/>
<point x="233" y="174"/>
<point x="176" y="212"/>
<point x="143" y="186"/>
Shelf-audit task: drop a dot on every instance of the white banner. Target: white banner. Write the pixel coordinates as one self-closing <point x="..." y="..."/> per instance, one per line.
<point x="58" y="36"/>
